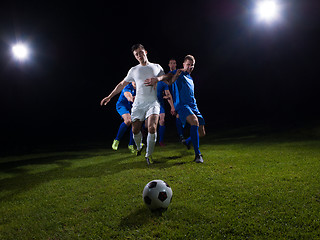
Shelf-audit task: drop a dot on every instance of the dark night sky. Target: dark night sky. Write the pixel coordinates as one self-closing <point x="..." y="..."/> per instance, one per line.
<point x="245" y="72"/>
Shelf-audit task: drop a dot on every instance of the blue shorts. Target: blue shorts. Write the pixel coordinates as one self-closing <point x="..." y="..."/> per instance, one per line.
<point x="186" y="110"/>
<point x="123" y="109"/>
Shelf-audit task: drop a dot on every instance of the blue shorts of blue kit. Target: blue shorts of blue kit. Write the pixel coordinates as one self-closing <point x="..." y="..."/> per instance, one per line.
<point x="185" y="110"/>
<point x="162" y="110"/>
<point x="122" y="109"/>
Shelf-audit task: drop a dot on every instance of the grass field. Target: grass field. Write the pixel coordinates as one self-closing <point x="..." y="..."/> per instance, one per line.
<point x="250" y="187"/>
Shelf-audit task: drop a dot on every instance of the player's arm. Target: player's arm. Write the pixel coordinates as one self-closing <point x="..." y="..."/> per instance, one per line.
<point x="168" y="78"/>
<point x="170" y="101"/>
<point x="176" y="75"/>
<point x="115" y="91"/>
<point x="154" y="80"/>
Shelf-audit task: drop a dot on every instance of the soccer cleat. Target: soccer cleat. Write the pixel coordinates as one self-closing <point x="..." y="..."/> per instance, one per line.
<point x="139" y="151"/>
<point x="184" y="142"/>
<point x="148" y="159"/>
<point x="131" y="149"/>
<point x="161" y="144"/>
<point x="198" y="158"/>
<point x="115" y="145"/>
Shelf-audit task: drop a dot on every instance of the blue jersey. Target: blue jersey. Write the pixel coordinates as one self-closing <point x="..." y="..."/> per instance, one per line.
<point x="184" y="91"/>
<point x="122" y="100"/>
<point x="174" y="91"/>
<point x="161" y="86"/>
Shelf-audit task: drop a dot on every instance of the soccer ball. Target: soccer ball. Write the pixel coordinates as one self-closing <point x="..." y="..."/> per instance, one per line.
<point x="157" y="195"/>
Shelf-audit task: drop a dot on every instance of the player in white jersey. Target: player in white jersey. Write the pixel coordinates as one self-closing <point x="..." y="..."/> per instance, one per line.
<point x="145" y="105"/>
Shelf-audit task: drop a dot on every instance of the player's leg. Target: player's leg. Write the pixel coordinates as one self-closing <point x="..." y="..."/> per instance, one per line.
<point x="131" y="143"/>
<point x="162" y="128"/>
<point x="188" y="141"/>
<point x="137" y="117"/>
<point x="122" y="129"/>
<point x="202" y="131"/>
<point x="124" y="126"/>
<point x="127" y="120"/>
<point x="137" y="136"/>
<point x="194" y="134"/>
<point x="144" y="131"/>
<point x="152" y="133"/>
<point x="179" y="128"/>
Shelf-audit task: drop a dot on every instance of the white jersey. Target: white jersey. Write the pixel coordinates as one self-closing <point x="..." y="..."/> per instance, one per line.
<point x="138" y="74"/>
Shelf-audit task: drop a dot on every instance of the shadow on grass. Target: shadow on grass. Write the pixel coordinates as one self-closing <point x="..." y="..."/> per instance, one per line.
<point x="176" y="214"/>
<point x="141" y="216"/>
<point x="13" y="166"/>
<point x="23" y="179"/>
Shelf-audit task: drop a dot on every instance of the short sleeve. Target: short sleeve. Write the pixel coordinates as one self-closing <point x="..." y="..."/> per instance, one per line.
<point x="129" y="77"/>
<point x="161" y="72"/>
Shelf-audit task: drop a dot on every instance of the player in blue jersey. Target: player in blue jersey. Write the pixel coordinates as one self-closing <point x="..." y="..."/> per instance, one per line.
<point x="174" y="92"/>
<point x="163" y="93"/>
<point x="186" y="105"/>
<point x="123" y="106"/>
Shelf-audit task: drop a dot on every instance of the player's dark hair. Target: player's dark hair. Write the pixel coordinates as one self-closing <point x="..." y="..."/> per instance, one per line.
<point x="136" y="46"/>
<point x="189" y="57"/>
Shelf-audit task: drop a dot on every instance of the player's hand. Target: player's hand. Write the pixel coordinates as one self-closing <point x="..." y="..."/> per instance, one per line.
<point x="173" y="112"/>
<point x="166" y="97"/>
<point x="151" y="81"/>
<point x="105" y="101"/>
<point x="178" y="72"/>
<point x="176" y="75"/>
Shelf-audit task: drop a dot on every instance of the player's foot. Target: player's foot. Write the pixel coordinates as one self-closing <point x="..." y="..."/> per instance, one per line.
<point x="181" y="138"/>
<point x="184" y="142"/>
<point x="198" y="158"/>
<point x="148" y="159"/>
<point x="131" y="149"/>
<point x="138" y="152"/>
<point x="115" y="145"/>
<point x="161" y="144"/>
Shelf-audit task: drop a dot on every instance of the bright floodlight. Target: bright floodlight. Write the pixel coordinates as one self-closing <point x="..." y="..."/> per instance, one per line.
<point x="267" y="10"/>
<point x="20" y="51"/>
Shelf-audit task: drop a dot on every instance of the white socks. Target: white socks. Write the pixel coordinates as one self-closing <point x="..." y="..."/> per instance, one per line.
<point x="151" y="142"/>
<point x="138" y="140"/>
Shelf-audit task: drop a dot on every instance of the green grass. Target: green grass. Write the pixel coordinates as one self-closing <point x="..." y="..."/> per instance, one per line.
<point x="248" y="188"/>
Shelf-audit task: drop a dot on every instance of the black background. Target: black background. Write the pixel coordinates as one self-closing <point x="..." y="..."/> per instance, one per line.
<point x="246" y="72"/>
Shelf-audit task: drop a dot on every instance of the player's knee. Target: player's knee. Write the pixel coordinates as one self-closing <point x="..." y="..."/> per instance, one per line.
<point x="195" y="122"/>
<point x="152" y="129"/>
<point x="135" y="131"/>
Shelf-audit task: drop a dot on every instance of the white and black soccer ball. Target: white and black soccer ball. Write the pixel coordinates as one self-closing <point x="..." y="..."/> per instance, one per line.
<point x="157" y="195"/>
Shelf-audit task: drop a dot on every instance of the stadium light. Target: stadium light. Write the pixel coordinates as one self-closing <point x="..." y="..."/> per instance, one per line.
<point x="267" y="10"/>
<point x="20" y="51"/>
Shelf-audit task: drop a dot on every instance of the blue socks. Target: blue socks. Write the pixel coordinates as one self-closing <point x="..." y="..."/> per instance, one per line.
<point x="194" y="134"/>
<point x="188" y="140"/>
<point x="122" y="129"/>
<point x="162" y="129"/>
<point x="131" y="141"/>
